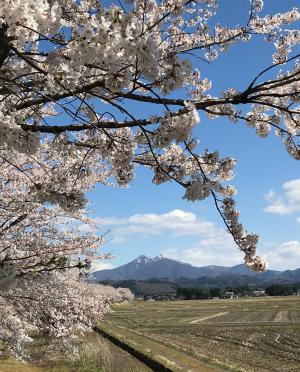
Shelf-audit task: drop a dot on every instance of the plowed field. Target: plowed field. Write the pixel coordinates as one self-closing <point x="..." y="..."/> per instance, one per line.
<point x="255" y="334"/>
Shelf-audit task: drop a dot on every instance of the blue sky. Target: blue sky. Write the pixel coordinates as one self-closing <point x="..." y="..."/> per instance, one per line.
<point x="152" y="220"/>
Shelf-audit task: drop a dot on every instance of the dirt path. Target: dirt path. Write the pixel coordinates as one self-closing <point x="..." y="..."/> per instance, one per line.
<point x="172" y="359"/>
<point x="208" y="317"/>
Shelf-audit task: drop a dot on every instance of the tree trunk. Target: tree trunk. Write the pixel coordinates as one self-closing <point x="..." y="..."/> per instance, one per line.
<point x="4" y="44"/>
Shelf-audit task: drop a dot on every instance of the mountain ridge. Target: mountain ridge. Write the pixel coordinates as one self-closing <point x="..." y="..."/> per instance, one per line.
<point x="159" y="267"/>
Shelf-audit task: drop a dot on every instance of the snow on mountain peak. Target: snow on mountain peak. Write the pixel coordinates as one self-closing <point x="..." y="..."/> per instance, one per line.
<point x="145" y="259"/>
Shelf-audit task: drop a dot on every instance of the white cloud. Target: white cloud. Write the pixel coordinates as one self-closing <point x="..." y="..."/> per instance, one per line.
<point x="214" y="250"/>
<point x="110" y="221"/>
<point x="284" y="256"/>
<point x="116" y="240"/>
<point x="210" y="244"/>
<point x="176" y="222"/>
<point x="222" y="252"/>
<point x="177" y="215"/>
<point x="290" y="248"/>
<point x="214" y="245"/>
<point x="101" y="265"/>
<point x="287" y="202"/>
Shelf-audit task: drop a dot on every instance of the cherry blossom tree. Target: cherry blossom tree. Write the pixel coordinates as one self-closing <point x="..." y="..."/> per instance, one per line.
<point x="69" y="73"/>
<point x="44" y="252"/>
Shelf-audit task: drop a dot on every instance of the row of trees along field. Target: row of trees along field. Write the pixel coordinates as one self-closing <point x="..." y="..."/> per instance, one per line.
<point x="70" y="73"/>
<point x="283" y="289"/>
<point x="206" y="293"/>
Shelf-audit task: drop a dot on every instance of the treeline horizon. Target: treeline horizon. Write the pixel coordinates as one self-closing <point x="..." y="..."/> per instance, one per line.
<point x="159" y="287"/>
<point x="206" y="293"/>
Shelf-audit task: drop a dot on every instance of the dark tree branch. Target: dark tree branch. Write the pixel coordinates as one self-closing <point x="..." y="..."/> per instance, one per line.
<point x="4" y="44"/>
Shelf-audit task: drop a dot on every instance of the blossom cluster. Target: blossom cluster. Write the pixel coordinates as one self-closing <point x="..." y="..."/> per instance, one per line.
<point x="23" y="18"/>
<point x="12" y="136"/>
<point x="247" y="242"/>
<point x="60" y="308"/>
<point x="176" y="128"/>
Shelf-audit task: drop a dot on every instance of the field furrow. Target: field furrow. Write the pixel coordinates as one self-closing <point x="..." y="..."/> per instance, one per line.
<point x="253" y="334"/>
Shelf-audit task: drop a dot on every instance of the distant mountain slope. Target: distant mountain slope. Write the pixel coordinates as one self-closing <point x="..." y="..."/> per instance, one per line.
<point x="146" y="268"/>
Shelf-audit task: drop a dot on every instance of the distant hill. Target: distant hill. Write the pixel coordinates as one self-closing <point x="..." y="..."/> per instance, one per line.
<point x="145" y="268"/>
<point x="141" y="288"/>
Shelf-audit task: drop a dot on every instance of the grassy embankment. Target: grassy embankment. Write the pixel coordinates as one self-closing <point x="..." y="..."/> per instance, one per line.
<point x="96" y="355"/>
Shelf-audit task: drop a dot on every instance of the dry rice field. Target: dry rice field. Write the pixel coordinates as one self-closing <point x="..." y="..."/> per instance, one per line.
<point x="254" y="334"/>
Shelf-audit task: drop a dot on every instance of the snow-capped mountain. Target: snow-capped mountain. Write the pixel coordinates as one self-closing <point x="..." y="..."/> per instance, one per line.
<point x="145" y="268"/>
